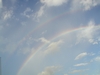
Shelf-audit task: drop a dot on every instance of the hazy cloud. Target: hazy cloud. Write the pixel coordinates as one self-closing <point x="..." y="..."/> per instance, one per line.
<point x="53" y="47"/>
<point x="44" y="40"/>
<point x="28" y="12"/>
<point x="90" y="33"/>
<point x="81" y="64"/>
<point x="76" y="71"/>
<point x="97" y="58"/>
<point x="84" y="4"/>
<point x="50" y="70"/>
<point x="40" y="12"/>
<point x="81" y="56"/>
<point x="50" y="3"/>
<point x="7" y="14"/>
<point x="0" y="3"/>
<point x="65" y="74"/>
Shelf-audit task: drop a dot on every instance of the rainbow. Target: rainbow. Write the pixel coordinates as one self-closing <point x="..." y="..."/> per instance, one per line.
<point x="53" y="38"/>
<point x="45" y="23"/>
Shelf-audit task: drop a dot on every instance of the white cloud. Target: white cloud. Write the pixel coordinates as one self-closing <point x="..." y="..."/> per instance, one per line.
<point x="76" y="71"/>
<point x="50" y="3"/>
<point x="81" y="64"/>
<point x="43" y="32"/>
<point x="44" y="40"/>
<point x="84" y="4"/>
<point x="93" y="41"/>
<point x="90" y="33"/>
<point x="47" y="4"/>
<point x="91" y="54"/>
<point x="50" y="70"/>
<point x="65" y="74"/>
<point x="28" y="12"/>
<point x="40" y="12"/>
<point x="7" y="14"/>
<point x="97" y="58"/>
<point x="0" y="3"/>
<point x="53" y="47"/>
<point x="81" y="56"/>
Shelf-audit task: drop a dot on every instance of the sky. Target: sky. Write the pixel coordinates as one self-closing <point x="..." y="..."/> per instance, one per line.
<point x="50" y="37"/>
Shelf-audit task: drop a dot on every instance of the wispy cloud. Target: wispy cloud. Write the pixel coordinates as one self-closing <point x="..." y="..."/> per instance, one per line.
<point x="81" y="56"/>
<point x="84" y="4"/>
<point x="81" y="64"/>
<point x="50" y="3"/>
<point x="28" y="12"/>
<point x="51" y="70"/>
<point x="97" y="58"/>
<point x="65" y="74"/>
<point x="44" y="40"/>
<point x="40" y="12"/>
<point x="90" y="33"/>
<point x="7" y="14"/>
<point x="47" y="4"/>
<point x="77" y="71"/>
<point x="0" y="3"/>
<point x="53" y="47"/>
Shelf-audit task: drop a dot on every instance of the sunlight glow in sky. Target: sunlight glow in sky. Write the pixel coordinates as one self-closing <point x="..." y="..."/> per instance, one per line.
<point x="50" y="37"/>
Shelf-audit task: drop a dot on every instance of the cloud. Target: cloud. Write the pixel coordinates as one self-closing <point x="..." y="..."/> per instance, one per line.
<point x="7" y="14"/>
<point x="89" y="33"/>
<point x="0" y="3"/>
<point x="84" y="4"/>
<point x="43" y="32"/>
<point x="44" y="40"/>
<point x="47" y="4"/>
<point x="81" y="56"/>
<point x="53" y="47"/>
<point x="77" y="71"/>
<point x="97" y="58"/>
<point x="91" y="54"/>
<point x="28" y="12"/>
<point x="65" y="74"/>
<point x="40" y="12"/>
<point x="50" y="3"/>
<point x="81" y="64"/>
<point x="50" y="70"/>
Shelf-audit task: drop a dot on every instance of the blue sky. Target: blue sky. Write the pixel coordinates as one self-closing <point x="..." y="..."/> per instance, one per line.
<point x="50" y="37"/>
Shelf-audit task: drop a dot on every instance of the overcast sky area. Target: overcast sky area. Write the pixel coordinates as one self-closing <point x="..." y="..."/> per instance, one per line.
<point x="50" y="37"/>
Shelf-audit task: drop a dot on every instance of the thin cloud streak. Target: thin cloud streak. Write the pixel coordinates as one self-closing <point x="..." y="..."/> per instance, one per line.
<point x="81" y="56"/>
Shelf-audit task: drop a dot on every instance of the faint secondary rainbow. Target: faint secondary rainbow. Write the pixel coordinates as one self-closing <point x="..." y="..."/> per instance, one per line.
<point x="47" y="22"/>
<point x="53" y="38"/>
